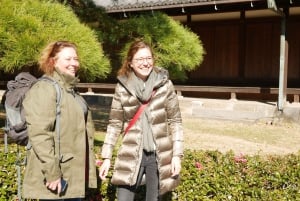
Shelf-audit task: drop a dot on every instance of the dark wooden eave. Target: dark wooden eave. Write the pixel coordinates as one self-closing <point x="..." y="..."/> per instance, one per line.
<point x="184" y="7"/>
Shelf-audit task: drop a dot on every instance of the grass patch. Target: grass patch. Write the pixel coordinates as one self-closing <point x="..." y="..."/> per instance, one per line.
<point x="283" y="133"/>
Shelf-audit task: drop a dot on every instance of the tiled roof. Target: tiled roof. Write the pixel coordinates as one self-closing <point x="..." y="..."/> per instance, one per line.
<point x="112" y="6"/>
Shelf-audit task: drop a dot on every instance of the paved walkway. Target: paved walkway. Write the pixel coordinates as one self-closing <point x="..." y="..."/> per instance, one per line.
<point x="227" y="109"/>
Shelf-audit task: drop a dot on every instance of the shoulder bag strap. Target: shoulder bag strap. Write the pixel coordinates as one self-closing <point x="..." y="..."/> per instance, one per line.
<point x="138" y="113"/>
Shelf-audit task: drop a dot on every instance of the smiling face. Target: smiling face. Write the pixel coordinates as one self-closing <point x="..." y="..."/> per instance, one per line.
<point x="142" y="63"/>
<point x="67" y="61"/>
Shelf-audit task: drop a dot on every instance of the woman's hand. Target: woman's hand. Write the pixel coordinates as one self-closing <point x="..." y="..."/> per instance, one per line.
<point x="103" y="171"/>
<point x="176" y="166"/>
<point x="54" y="185"/>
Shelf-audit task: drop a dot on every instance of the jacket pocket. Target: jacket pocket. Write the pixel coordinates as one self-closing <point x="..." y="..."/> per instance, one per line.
<point x="66" y="157"/>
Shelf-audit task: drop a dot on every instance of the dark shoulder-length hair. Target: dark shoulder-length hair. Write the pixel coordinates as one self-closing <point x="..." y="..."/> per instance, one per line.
<point x="134" y="47"/>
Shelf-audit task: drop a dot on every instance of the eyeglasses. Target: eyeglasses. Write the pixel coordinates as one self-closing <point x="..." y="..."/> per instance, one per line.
<point x="142" y="60"/>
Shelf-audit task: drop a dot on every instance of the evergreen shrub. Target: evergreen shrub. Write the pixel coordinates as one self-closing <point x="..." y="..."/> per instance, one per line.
<point x="27" y="26"/>
<point x="176" y="47"/>
<point x="206" y="175"/>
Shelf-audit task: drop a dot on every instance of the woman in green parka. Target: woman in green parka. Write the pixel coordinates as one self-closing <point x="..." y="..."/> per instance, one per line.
<point x="153" y="146"/>
<point x="70" y="158"/>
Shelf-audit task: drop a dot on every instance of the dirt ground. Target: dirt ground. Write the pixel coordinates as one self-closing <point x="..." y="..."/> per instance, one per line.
<point x="264" y="136"/>
<point x="252" y="138"/>
<point x="260" y="137"/>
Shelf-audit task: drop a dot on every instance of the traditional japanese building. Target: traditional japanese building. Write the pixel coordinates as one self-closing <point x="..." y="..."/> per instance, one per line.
<point x="248" y="42"/>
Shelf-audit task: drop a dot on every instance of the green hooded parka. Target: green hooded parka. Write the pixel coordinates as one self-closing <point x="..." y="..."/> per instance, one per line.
<point x="77" y="164"/>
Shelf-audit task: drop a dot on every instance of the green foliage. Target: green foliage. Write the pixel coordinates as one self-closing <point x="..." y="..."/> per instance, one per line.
<point x="211" y="175"/>
<point x="26" y="26"/>
<point x="206" y="175"/>
<point x="8" y="173"/>
<point x="108" y="30"/>
<point x="175" y="46"/>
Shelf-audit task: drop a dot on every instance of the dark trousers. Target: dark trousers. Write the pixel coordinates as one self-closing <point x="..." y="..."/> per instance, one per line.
<point x="150" y="169"/>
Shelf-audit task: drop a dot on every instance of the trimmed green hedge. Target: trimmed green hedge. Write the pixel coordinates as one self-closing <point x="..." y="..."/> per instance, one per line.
<point x="211" y="175"/>
<point x="206" y="175"/>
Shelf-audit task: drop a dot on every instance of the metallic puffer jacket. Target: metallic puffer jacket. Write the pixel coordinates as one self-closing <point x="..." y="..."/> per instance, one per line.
<point x="166" y="124"/>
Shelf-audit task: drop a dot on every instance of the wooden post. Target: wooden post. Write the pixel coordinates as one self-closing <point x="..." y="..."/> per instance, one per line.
<point x="296" y="98"/>
<point x="283" y="66"/>
<point x="233" y="95"/>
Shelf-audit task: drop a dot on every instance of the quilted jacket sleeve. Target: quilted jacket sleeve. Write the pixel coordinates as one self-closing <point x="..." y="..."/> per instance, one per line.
<point x="115" y="125"/>
<point x="175" y="121"/>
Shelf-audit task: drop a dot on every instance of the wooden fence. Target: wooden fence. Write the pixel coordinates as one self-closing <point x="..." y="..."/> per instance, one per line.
<point x="232" y="91"/>
<point x="180" y="89"/>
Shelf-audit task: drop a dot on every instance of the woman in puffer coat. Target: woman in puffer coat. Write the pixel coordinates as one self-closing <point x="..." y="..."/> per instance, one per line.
<point x="50" y="159"/>
<point x="153" y="146"/>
